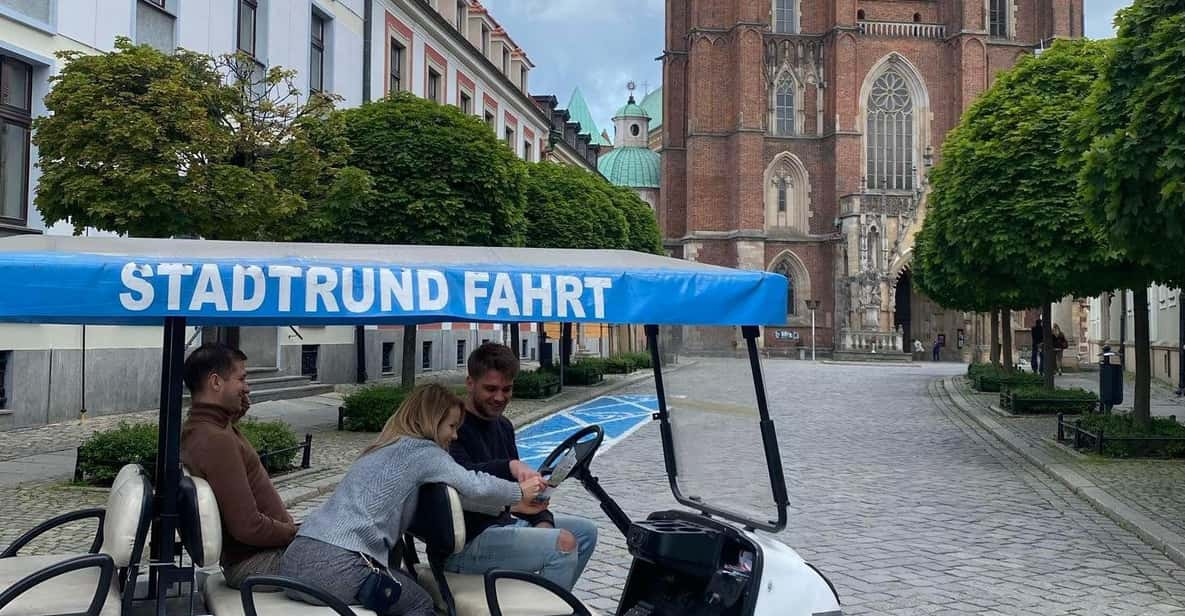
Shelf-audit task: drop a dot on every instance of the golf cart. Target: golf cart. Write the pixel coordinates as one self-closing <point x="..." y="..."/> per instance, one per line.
<point x="705" y="559"/>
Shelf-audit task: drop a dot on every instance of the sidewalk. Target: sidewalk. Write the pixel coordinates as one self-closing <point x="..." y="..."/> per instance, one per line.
<point x="36" y="462"/>
<point x="1145" y="496"/>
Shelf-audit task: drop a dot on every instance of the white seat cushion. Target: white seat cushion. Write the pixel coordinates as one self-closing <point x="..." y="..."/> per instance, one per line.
<point x="515" y="597"/>
<point x="222" y="600"/>
<point x="68" y="593"/>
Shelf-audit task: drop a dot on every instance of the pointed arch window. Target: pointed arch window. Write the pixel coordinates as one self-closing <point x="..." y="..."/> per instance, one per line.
<point x="783" y="188"/>
<point x="784" y="107"/>
<point x="783" y="268"/>
<point x="890" y="134"/>
<point x="786" y="16"/>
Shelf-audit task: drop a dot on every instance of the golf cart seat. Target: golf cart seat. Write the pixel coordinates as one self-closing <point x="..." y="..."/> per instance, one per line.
<point x="439" y="522"/>
<point x="201" y="533"/>
<point x="103" y="580"/>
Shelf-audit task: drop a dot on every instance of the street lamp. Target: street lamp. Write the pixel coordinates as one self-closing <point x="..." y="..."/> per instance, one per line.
<point x="812" y="305"/>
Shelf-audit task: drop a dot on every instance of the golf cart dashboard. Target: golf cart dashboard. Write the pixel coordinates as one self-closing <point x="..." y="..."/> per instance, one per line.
<point x="689" y="564"/>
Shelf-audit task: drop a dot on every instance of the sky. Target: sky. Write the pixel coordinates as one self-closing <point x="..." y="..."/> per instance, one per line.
<point x="601" y="45"/>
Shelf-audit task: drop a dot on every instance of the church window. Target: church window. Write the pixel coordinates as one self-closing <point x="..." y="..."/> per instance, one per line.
<point x="787" y="195"/>
<point x="998" y="18"/>
<point x="783" y="268"/>
<point x="890" y="134"/>
<point x="784" y="107"/>
<point x="785" y="19"/>
<point x="783" y="186"/>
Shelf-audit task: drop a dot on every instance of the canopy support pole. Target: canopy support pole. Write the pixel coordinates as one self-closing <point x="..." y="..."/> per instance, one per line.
<point x="164" y="573"/>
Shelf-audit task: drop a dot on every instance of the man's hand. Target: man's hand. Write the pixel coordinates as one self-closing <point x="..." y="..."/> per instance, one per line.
<point x="544" y="524"/>
<point x="521" y="472"/>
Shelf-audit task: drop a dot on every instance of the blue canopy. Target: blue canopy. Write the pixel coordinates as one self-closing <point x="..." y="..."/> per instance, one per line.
<point x="119" y="281"/>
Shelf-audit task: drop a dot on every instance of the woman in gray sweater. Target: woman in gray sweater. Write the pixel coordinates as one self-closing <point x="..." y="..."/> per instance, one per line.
<point x="340" y="543"/>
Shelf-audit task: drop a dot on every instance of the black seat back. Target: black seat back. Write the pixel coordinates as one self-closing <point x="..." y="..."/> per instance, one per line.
<point x="439" y="521"/>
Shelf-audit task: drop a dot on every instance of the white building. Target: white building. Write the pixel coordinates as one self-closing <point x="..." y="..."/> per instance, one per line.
<point x="1112" y="320"/>
<point x="452" y="51"/>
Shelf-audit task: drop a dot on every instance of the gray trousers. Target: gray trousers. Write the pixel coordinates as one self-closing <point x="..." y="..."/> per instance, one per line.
<point x="341" y="573"/>
<point x="266" y="562"/>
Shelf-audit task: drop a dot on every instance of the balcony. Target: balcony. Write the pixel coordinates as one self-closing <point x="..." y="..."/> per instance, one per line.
<point x="902" y="29"/>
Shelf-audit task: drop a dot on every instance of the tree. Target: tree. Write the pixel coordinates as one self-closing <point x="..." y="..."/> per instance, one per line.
<point x="150" y="144"/>
<point x="569" y="207"/>
<point x="644" y="235"/>
<point x="440" y="177"/>
<point x="1006" y="197"/>
<point x="1132" y="173"/>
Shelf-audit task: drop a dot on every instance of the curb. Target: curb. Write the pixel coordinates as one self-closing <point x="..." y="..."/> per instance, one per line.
<point x="1171" y="543"/>
<point x="297" y="494"/>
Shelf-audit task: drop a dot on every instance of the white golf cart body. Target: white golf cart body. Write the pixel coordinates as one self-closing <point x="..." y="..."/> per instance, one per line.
<point x="180" y="283"/>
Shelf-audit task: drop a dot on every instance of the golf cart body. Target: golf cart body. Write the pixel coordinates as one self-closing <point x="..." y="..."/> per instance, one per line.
<point x="713" y="558"/>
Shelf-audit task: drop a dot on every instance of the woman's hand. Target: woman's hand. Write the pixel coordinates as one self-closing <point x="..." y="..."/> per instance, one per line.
<point x="530" y="489"/>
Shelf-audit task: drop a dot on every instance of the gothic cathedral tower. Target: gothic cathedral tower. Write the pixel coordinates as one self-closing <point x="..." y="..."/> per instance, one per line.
<point x="798" y="135"/>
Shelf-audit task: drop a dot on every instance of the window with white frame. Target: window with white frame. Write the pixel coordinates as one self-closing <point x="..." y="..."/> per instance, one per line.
<point x="466" y="103"/>
<point x="317" y="53"/>
<point x="784" y="107"/>
<point x="434" y="89"/>
<point x="890" y="134"/>
<point x="16" y="102"/>
<point x="527" y="154"/>
<point x="785" y="16"/>
<point x="998" y="18"/>
<point x="485" y="40"/>
<point x="462" y="15"/>
<point x="397" y="55"/>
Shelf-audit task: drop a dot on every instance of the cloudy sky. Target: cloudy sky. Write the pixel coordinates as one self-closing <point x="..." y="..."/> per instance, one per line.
<point x="601" y="45"/>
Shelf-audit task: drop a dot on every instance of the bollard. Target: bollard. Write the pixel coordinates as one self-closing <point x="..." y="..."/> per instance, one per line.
<point x="1100" y="442"/>
<point x="341" y="418"/>
<point x="308" y="448"/>
<point x="1077" y="434"/>
<point x="1061" y="430"/>
<point x="77" y="466"/>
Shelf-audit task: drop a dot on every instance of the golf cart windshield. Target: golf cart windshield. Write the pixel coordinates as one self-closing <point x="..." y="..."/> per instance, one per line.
<point x="722" y="462"/>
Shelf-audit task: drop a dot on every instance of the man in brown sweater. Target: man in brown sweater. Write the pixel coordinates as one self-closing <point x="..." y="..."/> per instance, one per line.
<point x="255" y="525"/>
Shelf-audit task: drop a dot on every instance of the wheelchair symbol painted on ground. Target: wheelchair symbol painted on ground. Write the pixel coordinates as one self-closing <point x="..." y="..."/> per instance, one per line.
<point x="618" y="415"/>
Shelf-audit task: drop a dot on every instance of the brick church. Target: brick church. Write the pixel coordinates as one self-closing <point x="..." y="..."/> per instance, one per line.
<point x="797" y="137"/>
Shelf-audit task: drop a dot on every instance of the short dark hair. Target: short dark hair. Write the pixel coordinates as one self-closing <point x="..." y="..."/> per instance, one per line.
<point x="210" y="358"/>
<point x="493" y="356"/>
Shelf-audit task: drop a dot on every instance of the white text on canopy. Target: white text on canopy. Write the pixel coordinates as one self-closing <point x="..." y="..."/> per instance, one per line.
<point x="320" y="290"/>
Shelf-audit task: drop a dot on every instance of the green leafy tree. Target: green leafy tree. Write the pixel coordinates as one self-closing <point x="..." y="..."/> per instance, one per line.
<point x="569" y="207"/>
<point x="644" y="235"/>
<point x="150" y="144"/>
<point x="440" y="177"/>
<point x="1009" y="231"/>
<point x="1132" y="175"/>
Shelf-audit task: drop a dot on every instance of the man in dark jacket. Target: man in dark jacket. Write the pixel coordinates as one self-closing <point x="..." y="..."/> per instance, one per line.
<point x="1038" y="332"/>
<point x="556" y="546"/>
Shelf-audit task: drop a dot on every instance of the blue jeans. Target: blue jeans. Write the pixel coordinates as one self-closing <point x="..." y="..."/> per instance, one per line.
<point x="521" y="547"/>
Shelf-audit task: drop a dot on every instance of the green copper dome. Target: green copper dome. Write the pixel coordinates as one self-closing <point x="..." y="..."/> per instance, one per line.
<point x="631" y="110"/>
<point x="633" y="167"/>
<point x="652" y="105"/>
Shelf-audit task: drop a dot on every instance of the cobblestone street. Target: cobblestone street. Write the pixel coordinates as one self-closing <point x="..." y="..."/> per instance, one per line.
<point x="906" y="505"/>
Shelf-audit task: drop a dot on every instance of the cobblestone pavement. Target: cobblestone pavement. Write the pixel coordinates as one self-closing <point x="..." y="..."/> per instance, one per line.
<point x="1156" y="488"/>
<point x="904" y="505"/>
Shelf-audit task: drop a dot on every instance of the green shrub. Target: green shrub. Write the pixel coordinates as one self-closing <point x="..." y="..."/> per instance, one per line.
<point x="1036" y="399"/>
<point x="368" y="409"/>
<point x="102" y="454"/>
<point x="620" y="364"/>
<point x="640" y="359"/>
<point x="992" y="378"/>
<point x="583" y="373"/>
<point x="268" y="436"/>
<point x="535" y="384"/>
<point x="1118" y="426"/>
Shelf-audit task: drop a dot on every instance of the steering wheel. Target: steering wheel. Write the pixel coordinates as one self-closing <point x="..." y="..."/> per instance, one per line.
<point x="580" y="445"/>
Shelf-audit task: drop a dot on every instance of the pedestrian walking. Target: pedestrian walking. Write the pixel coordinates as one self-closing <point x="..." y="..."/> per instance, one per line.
<point x="1059" y="347"/>
<point x="1038" y="331"/>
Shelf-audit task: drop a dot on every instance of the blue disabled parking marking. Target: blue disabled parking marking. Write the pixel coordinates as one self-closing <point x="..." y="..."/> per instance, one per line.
<point x="619" y="416"/>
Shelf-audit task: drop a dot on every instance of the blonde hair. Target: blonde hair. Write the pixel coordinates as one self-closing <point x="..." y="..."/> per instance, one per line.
<point x="421" y="415"/>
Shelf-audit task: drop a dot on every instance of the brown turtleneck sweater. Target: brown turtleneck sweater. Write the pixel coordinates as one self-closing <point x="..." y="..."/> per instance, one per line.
<point x="253" y="515"/>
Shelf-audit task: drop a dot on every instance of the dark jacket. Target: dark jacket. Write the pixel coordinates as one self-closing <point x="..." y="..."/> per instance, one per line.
<point x="488" y="446"/>
<point x="1038" y="334"/>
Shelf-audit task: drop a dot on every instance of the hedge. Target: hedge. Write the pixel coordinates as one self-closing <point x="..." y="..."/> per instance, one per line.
<point x="992" y="378"/>
<point x="102" y="454"/>
<point x="1030" y="399"/>
<point x="536" y="384"/>
<point x="1116" y="427"/>
<point x="369" y="408"/>
<point x="584" y="372"/>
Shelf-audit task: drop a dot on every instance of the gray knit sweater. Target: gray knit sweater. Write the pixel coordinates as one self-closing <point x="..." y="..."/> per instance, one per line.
<point x="374" y="503"/>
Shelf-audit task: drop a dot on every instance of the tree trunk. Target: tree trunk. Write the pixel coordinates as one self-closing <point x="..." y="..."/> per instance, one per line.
<point x="1006" y="331"/>
<point x="1047" y="345"/>
<point x="1142" y="405"/>
<point x="995" y="351"/>
<point x="514" y="336"/>
<point x="407" y="376"/>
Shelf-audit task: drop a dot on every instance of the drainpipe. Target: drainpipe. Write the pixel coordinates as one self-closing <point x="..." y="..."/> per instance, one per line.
<point x="1181" y="343"/>
<point x="360" y="330"/>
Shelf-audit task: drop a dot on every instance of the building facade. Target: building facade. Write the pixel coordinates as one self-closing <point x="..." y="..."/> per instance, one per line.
<point x="797" y="136"/>
<point x="451" y="51"/>
<point x="1111" y="322"/>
